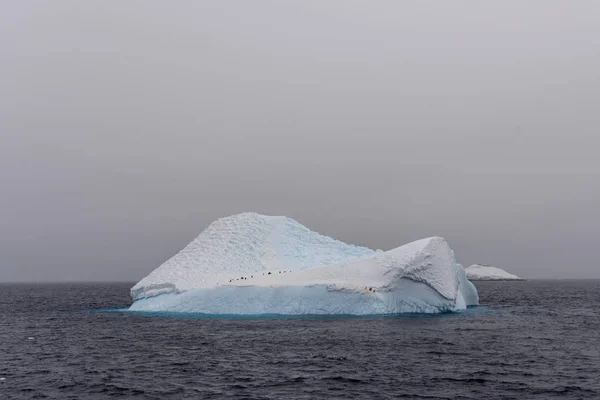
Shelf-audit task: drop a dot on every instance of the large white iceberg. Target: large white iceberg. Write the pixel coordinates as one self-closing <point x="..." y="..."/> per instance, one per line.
<point x="478" y="272"/>
<point x="255" y="264"/>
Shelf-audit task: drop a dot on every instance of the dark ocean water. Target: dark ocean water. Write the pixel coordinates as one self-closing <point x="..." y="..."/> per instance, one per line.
<point x="528" y="340"/>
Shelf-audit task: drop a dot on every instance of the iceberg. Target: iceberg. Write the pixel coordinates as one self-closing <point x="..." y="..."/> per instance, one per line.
<point x="479" y="272"/>
<point x="252" y="264"/>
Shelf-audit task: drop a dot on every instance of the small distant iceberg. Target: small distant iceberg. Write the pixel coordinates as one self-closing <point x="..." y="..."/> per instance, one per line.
<point x="252" y="264"/>
<point x="480" y="272"/>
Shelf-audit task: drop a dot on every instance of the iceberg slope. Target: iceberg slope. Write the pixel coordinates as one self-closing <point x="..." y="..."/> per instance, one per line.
<point x="252" y="264"/>
<point x="243" y="245"/>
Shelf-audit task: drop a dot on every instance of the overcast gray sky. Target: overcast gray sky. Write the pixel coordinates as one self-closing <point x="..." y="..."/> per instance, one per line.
<point x="127" y="127"/>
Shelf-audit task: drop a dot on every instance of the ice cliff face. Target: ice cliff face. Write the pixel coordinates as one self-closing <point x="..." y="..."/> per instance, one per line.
<point x="256" y="264"/>
<point x="479" y="272"/>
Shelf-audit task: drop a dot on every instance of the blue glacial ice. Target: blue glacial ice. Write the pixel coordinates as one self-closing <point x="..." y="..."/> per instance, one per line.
<point x="251" y="264"/>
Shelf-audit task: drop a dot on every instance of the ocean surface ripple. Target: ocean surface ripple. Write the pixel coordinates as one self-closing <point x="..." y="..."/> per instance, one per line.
<point x="535" y="339"/>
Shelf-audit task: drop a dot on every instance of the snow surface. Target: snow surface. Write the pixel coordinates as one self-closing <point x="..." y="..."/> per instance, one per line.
<point x="255" y="264"/>
<point x="479" y="272"/>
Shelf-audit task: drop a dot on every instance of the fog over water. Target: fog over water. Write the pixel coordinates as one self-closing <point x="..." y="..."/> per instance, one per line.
<point x="126" y="128"/>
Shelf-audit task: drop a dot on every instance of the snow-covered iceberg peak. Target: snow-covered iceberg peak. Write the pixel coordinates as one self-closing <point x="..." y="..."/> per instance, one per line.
<point x="478" y="272"/>
<point x="255" y="264"/>
<point x="243" y="245"/>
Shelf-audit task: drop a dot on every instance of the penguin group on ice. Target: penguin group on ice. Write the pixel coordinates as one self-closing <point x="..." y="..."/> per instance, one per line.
<point x="252" y="276"/>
